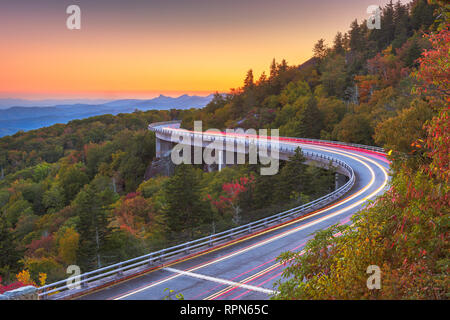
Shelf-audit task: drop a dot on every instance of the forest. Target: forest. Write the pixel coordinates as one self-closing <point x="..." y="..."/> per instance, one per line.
<point x="76" y="193"/>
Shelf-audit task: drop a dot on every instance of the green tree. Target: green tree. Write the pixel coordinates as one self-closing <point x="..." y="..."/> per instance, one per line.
<point x="387" y="32"/>
<point x="54" y="198"/>
<point x="338" y="44"/>
<point x="10" y="256"/>
<point x="68" y="243"/>
<point x="355" y="128"/>
<point x="422" y="14"/>
<point x="292" y="180"/>
<point x="93" y="228"/>
<point x="404" y="231"/>
<point x="320" y="50"/>
<point x="249" y="81"/>
<point x="72" y="180"/>
<point x="402" y="25"/>
<point x="185" y="208"/>
<point x="356" y="41"/>
<point x="307" y="122"/>
<point x="397" y="133"/>
<point x="334" y="75"/>
<point x="17" y="207"/>
<point x="263" y="194"/>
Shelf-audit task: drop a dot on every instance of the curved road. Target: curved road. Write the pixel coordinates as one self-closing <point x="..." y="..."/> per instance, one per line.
<point x="247" y="268"/>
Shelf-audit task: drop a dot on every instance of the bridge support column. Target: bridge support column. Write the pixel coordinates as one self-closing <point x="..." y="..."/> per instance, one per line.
<point x="340" y="180"/>
<point x="222" y="160"/>
<point x="162" y="147"/>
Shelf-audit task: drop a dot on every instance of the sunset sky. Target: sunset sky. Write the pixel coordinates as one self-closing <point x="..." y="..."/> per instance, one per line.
<point x="141" y="48"/>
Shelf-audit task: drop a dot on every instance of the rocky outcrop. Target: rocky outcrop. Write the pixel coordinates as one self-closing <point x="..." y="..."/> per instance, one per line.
<point x="23" y="293"/>
<point x="163" y="166"/>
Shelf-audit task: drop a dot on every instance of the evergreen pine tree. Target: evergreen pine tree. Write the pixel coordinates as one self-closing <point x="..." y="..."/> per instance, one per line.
<point x="273" y="69"/>
<point x="292" y="179"/>
<point x="249" y="81"/>
<point x="338" y="45"/>
<point x="93" y="228"/>
<point x="355" y="36"/>
<point x="422" y="14"/>
<point x="402" y="25"/>
<point x="311" y="119"/>
<point x="387" y="33"/>
<point x="320" y="50"/>
<point x="9" y="255"/>
<point x="185" y="208"/>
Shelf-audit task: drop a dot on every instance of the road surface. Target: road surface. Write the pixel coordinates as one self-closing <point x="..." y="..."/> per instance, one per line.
<point x="247" y="268"/>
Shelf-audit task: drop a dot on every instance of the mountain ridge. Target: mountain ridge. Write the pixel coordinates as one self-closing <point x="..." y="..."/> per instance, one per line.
<point x="16" y="118"/>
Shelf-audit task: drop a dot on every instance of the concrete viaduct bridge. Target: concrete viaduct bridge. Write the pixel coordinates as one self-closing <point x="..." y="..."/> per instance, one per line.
<point x="239" y="263"/>
<point x="235" y="148"/>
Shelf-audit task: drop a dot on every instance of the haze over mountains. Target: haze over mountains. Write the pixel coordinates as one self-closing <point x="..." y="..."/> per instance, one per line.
<point x="8" y="103"/>
<point x="26" y="116"/>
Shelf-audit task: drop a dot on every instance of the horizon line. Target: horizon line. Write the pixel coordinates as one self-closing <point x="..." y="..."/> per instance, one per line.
<point x="118" y="96"/>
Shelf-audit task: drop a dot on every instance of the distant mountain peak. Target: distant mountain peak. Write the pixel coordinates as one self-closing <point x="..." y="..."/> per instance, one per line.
<point x="13" y="119"/>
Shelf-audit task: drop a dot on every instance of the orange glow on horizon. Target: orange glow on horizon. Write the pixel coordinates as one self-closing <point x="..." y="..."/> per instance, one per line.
<point x="150" y="47"/>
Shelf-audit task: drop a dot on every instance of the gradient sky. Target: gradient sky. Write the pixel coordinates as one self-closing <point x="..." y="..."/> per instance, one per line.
<point x="140" y="48"/>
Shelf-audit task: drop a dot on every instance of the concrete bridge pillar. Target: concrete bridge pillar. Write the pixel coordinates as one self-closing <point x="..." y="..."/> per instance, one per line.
<point x="222" y="160"/>
<point x="162" y="147"/>
<point x="340" y="180"/>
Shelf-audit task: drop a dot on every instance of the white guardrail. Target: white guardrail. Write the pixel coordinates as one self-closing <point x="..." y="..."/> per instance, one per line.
<point x="119" y="271"/>
<point x="156" y="127"/>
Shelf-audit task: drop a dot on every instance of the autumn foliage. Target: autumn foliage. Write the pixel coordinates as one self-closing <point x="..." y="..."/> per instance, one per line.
<point x="23" y="279"/>
<point x="434" y="69"/>
<point x="134" y="214"/>
<point x="10" y="287"/>
<point x="230" y="200"/>
<point x="405" y="231"/>
<point x="79" y="193"/>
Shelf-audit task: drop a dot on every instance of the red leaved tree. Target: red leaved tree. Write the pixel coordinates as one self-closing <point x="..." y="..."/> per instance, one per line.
<point x="135" y="214"/>
<point x="230" y="201"/>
